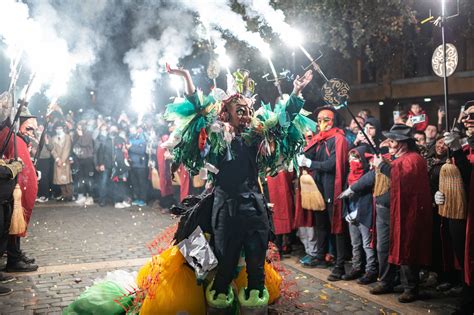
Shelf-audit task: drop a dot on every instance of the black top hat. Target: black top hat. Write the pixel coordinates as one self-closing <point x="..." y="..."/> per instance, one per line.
<point x="399" y="132"/>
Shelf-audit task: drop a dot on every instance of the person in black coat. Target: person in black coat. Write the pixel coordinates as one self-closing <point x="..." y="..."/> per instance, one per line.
<point x="358" y="213"/>
<point x="386" y="271"/>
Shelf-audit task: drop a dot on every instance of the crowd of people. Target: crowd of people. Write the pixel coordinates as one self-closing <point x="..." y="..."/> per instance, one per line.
<point x="383" y="208"/>
<point x="385" y="201"/>
<point x="102" y="160"/>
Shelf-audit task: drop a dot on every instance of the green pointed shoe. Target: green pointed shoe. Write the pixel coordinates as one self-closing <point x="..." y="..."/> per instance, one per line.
<point x="220" y="304"/>
<point x="254" y="304"/>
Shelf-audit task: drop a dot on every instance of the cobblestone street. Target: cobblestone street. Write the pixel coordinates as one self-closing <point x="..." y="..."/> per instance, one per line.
<point x="75" y="245"/>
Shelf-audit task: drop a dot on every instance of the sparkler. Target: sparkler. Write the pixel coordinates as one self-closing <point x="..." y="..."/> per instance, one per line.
<point x="15" y="69"/>
<point x="266" y="52"/>
<point x="176" y="83"/>
<point x="225" y="61"/>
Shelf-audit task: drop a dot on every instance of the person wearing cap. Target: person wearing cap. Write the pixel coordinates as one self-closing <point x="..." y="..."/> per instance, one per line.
<point x="410" y="208"/>
<point x="326" y="156"/>
<point x="372" y="130"/>
<point x="17" y="261"/>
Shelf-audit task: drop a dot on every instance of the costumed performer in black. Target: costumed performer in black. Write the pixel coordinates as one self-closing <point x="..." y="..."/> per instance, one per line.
<point x="240" y="219"/>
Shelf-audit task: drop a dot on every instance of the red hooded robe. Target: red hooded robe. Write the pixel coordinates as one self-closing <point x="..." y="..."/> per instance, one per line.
<point x="166" y="185"/>
<point x="411" y="214"/>
<point x="27" y="178"/>
<point x="469" y="247"/>
<point x="184" y="182"/>
<point x="281" y="195"/>
<point x="337" y="222"/>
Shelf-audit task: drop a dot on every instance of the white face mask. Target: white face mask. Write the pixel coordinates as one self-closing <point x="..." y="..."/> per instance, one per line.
<point x="60" y="132"/>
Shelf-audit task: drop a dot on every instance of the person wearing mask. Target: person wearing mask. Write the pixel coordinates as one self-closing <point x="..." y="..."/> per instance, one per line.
<point x="410" y="209"/>
<point x="452" y="140"/>
<point x="62" y="175"/>
<point x="9" y="169"/>
<point x="83" y="148"/>
<point x="17" y="261"/>
<point x="113" y="167"/>
<point x="326" y="156"/>
<point x="138" y="162"/>
<point x="358" y="213"/>
<point x="448" y="246"/>
<point x="44" y="166"/>
<point x="103" y="162"/>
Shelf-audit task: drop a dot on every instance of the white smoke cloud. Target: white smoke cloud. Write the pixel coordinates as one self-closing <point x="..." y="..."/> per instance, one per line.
<point x="48" y="53"/>
<point x="265" y="13"/>
<point x="147" y="61"/>
<point x="219" y="15"/>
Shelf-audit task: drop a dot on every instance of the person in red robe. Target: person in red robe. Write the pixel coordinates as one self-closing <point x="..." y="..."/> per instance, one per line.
<point x="28" y="181"/>
<point x="410" y="208"/>
<point x="184" y="183"/>
<point x="280" y="193"/>
<point x="164" y="170"/>
<point x="452" y="140"/>
<point x="327" y="157"/>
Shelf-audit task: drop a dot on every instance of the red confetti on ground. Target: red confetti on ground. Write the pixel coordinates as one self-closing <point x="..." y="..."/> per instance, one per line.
<point x="289" y="290"/>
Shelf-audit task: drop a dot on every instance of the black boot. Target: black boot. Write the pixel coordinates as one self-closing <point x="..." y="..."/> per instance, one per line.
<point x="21" y="266"/>
<point x="336" y="274"/>
<point x="408" y="296"/>
<point x="26" y="259"/>
<point x="5" y="291"/>
<point x="353" y="274"/>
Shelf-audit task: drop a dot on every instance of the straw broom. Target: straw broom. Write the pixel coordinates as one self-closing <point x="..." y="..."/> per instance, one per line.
<point x="18" y="223"/>
<point x="451" y="185"/>
<point x="311" y="198"/>
<point x="155" y="178"/>
<point x="198" y="182"/>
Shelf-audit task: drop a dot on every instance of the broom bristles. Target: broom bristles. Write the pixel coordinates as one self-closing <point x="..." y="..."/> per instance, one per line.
<point x="451" y="185"/>
<point x="198" y="182"/>
<point x="18" y="223"/>
<point x="382" y="183"/>
<point x="311" y="197"/>
<point x="155" y="179"/>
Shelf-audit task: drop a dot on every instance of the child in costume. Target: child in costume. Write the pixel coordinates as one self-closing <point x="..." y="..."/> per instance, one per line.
<point x="234" y="143"/>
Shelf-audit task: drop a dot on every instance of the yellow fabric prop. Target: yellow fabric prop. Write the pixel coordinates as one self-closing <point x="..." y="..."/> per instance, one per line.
<point x="171" y="286"/>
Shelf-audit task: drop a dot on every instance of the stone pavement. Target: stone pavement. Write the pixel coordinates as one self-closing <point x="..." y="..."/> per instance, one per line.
<point x="75" y="245"/>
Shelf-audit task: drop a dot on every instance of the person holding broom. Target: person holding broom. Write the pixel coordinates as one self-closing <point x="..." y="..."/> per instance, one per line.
<point x="9" y="169"/>
<point x="327" y="157"/>
<point x="410" y="208"/>
<point x="27" y="181"/>
<point x="463" y="236"/>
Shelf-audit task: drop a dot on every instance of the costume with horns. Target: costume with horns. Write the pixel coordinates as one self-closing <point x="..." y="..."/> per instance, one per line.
<point x="204" y="141"/>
